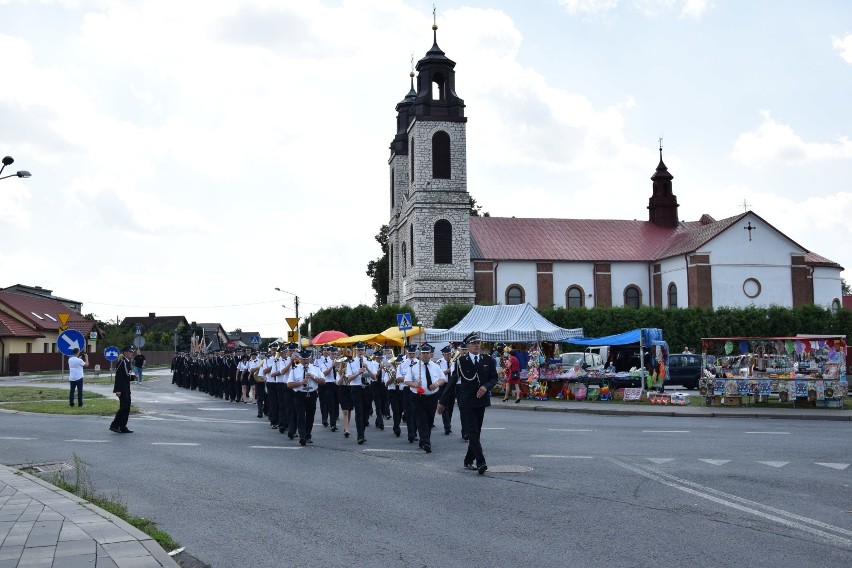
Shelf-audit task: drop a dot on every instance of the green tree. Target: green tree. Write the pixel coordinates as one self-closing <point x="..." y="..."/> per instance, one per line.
<point x="378" y="270"/>
<point x="476" y="210"/>
<point x="451" y="314"/>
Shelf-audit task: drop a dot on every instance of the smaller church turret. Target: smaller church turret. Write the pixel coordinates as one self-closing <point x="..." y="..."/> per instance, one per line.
<point x="662" y="206"/>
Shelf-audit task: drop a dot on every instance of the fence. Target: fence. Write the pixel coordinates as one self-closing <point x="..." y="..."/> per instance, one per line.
<point x="37" y="362"/>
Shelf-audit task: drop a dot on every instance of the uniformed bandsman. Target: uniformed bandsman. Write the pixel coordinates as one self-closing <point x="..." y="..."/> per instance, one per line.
<point x="404" y="371"/>
<point x="424" y="379"/>
<point x="259" y="387"/>
<point x="329" y="373"/>
<point x="358" y="374"/>
<point x="344" y="394"/>
<point x="304" y="381"/>
<point x="393" y="381"/>
<point x="446" y="363"/>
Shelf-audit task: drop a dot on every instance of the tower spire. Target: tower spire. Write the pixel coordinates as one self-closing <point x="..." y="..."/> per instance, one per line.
<point x="434" y="25"/>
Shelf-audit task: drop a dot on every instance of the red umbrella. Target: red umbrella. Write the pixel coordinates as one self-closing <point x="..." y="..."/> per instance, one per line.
<point x="327" y="336"/>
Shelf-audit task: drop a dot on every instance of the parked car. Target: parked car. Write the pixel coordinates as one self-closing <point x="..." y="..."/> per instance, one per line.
<point x="587" y="359"/>
<point x="684" y="370"/>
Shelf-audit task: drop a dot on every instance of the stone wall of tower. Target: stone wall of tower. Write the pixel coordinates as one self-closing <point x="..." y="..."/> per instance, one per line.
<point x="398" y="164"/>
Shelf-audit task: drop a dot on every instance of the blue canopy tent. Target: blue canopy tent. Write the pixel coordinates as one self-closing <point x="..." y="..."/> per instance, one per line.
<point x="644" y="337"/>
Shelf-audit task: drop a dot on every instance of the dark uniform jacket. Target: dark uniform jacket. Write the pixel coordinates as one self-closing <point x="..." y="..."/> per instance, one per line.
<point x="467" y="378"/>
<point x="122" y="377"/>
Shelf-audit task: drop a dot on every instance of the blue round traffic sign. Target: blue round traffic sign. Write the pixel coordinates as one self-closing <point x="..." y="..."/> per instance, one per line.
<point x="69" y="340"/>
<point x="111" y="353"/>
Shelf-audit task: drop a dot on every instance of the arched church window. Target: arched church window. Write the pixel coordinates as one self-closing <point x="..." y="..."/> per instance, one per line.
<point x="441" y="168"/>
<point x="632" y="296"/>
<point x="411" y="152"/>
<point x="835" y="305"/>
<point x="672" y="295"/>
<point x="438" y="87"/>
<point x="514" y="295"/>
<point x="411" y="234"/>
<point x="574" y="297"/>
<point x="443" y="242"/>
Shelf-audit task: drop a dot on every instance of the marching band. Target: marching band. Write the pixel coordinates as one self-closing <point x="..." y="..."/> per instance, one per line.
<point x="287" y="383"/>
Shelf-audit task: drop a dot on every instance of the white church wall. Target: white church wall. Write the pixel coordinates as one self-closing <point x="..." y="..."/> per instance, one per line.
<point x="626" y="273"/>
<point x="673" y="270"/>
<point x="519" y="272"/>
<point x="567" y="274"/>
<point x="827" y="286"/>
<point x="766" y="259"/>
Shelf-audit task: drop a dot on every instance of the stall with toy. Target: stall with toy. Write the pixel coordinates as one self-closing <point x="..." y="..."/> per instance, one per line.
<point x="805" y="369"/>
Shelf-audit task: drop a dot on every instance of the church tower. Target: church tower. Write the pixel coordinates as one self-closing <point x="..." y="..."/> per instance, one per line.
<point x="662" y="206"/>
<point x="429" y="228"/>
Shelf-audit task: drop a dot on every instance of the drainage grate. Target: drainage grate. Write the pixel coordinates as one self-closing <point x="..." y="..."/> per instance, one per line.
<point x="509" y="468"/>
<point x="40" y="468"/>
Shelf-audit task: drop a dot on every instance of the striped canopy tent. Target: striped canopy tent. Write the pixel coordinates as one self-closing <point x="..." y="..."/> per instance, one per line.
<point x="518" y="323"/>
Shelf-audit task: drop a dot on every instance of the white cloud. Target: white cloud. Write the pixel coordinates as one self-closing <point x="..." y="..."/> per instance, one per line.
<point x="693" y="9"/>
<point x="844" y="46"/>
<point x="776" y="143"/>
<point x="589" y="7"/>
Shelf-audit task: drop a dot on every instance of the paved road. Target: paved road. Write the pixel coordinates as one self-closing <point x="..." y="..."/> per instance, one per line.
<point x="599" y="490"/>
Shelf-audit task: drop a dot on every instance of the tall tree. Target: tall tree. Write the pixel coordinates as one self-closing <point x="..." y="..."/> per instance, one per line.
<point x="476" y="210"/>
<point x="379" y="271"/>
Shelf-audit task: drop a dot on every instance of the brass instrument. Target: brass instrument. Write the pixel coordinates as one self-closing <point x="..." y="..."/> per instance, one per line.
<point x="341" y="362"/>
<point x="456" y="356"/>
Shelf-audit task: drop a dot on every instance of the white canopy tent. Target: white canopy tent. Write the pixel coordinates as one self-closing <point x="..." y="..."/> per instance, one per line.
<point x="518" y="323"/>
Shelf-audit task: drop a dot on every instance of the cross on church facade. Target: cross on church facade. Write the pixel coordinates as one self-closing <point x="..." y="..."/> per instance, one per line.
<point x="749" y="228"/>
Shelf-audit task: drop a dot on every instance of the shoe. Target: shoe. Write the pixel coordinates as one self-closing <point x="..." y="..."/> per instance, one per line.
<point x="397" y="432"/>
<point x="464" y="438"/>
<point x="470" y="466"/>
<point x="72" y="405"/>
<point x="411" y="440"/>
<point x="346" y="434"/>
<point x="114" y="429"/>
<point x="382" y="428"/>
<point x="274" y="426"/>
<point x="126" y="431"/>
<point x="291" y="436"/>
<point x="517" y="400"/>
<point x="361" y="441"/>
<point x="334" y="428"/>
<point x="310" y="441"/>
<point x="260" y="415"/>
<point x="387" y="417"/>
<point x="80" y="405"/>
<point x="447" y="432"/>
<point x="481" y="469"/>
<point x="302" y="441"/>
<point x="505" y="400"/>
<point x="427" y="448"/>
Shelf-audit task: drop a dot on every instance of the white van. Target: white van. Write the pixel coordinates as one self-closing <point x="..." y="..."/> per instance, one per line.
<point x="587" y="359"/>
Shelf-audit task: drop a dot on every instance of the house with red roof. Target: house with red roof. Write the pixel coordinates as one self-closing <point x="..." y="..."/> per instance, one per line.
<point x="439" y="254"/>
<point x="29" y="323"/>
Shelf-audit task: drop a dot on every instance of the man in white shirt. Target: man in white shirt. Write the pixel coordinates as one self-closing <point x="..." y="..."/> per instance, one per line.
<point x="446" y="367"/>
<point x="404" y="371"/>
<point x="392" y="378"/>
<point x="329" y="373"/>
<point x="270" y="370"/>
<point x="304" y="381"/>
<point x="75" y="375"/>
<point x="358" y="375"/>
<point x="424" y="380"/>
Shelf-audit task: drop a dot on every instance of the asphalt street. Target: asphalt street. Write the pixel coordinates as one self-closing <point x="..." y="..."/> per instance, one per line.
<point x="577" y="490"/>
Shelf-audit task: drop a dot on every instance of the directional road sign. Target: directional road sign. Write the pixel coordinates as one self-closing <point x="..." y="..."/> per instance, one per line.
<point x="403" y="321"/>
<point x="69" y="340"/>
<point x="111" y="353"/>
<point x="138" y="342"/>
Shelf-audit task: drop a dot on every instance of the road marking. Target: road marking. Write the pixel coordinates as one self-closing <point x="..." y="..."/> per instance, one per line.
<point x="774" y="464"/>
<point x="716" y="462"/>
<point x="276" y="447"/>
<point x="839" y="466"/>
<point x="173" y="444"/>
<point x="665" y="431"/>
<point x="89" y="441"/>
<point x="223" y="408"/>
<point x="493" y="428"/>
<point x="659" y="461"/>
<point x="565" y="457"/>
<point x="798" y="522"/>
<point x="571" y="430"/>
<point x="785" y="433"/>
<point x="15" y="438"/>
<point x="385" y="450"/>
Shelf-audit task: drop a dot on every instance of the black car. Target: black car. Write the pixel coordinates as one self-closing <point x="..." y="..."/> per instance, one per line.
<point x="684" y="370"/>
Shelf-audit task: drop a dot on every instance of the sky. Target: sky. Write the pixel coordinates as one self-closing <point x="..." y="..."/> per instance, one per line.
<point x="189" y="157"/>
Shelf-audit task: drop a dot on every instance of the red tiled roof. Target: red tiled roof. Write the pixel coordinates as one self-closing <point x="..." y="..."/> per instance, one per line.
<point x="10" y="327"/>
<point x="27" y="306"/>
<point x="598" y="240"/>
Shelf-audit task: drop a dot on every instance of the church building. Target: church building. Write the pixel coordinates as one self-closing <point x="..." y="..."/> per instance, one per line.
<point x="439" y="254"/>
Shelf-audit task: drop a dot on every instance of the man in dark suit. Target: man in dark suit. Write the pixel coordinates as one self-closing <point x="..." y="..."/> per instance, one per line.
<point x="474" y="376"/>
<point x="123" y="376"/>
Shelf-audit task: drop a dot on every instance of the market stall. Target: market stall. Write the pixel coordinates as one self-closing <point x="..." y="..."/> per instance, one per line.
<point x="749" y="370"/>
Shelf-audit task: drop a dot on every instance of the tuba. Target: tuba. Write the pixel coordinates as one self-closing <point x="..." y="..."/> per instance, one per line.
<point x="341" y="363"/>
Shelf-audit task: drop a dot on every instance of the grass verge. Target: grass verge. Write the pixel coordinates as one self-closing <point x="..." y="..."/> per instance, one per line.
<point x="82" y="487"/>
<point x="55" y="401"/>
<point x="86" y="381"/>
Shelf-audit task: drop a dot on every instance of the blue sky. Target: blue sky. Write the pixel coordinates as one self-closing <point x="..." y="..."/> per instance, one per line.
<point x="189" y="157"/>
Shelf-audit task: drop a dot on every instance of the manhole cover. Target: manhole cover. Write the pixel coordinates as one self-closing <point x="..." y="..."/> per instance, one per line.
<point x="38" y="468"/>
<point x="509" y="468"/>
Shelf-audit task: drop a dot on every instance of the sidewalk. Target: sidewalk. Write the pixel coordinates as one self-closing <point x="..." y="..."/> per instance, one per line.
<point x="42" y="525"/>
<point x="635" y="409"/>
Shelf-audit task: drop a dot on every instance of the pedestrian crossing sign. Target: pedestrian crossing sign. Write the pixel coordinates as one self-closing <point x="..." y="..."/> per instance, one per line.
<point x="403" y="321"/>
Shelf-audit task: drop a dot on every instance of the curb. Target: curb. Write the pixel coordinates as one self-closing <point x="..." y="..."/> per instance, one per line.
<point x="770" y="415"/>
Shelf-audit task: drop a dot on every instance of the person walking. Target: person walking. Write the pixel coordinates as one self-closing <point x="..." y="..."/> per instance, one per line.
<point x="304" y="381"/>
<point x="424" y="380"/>
<point x="475" y="375"/>
<point x="123" y="376"/>
<point x="513" y="376"/>
<point x="75" y="375"/>
<point x="138" y="364"/>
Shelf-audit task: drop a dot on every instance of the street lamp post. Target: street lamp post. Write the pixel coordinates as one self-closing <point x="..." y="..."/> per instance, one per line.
<point x="296" y="301"/>
<point x="8" y="161"/>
